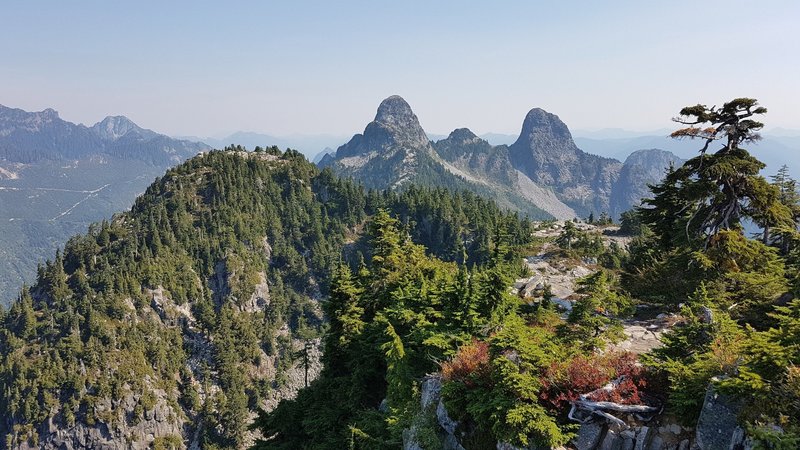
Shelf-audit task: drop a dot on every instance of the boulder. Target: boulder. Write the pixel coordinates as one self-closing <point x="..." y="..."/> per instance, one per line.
<point x="589" y="436"/>
<point x="642" y="438"/>
<point x="431" y="391"/>
<point x="656" y="443"/>
<point x="612" y="441"/>
<point x="717" y="425"/>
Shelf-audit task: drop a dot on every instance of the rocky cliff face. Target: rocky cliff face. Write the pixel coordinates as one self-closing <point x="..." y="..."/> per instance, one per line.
<point x="641" y="168"/>
<point x="542" y="174"/>
<point x="150" y="417"/>
<point x="546" y="153"/>
<point x="391" y="150"/>
<point x="468" y="152"/>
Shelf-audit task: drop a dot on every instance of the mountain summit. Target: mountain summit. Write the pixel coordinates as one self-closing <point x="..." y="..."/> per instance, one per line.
<point x="395" y="127"/>
<point x="394" y="109"/>
<point x="542" y="170"/>
<point x="114" y="127"/>
<point x="389" y="152"/>
<point x="546" y="153"/>
<point x="545" y="129"/>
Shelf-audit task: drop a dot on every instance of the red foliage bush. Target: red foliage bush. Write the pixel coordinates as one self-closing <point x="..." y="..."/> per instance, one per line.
<point x="566" y="381"/>
<point x="469" y="365"/>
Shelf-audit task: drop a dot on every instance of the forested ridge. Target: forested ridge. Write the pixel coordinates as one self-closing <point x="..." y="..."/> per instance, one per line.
<point x="160" y="310"/>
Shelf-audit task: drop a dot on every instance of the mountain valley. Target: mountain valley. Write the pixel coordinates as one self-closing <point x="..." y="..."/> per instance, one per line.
<point x="57" y="177"/>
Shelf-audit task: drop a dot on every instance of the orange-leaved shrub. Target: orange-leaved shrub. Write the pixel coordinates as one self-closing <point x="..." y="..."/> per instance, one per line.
<point x="470" y="365"/>
<point x="566" y="381"/>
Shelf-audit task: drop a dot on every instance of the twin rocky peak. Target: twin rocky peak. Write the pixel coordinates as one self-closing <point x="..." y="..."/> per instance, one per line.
<point x="543" y="174"/>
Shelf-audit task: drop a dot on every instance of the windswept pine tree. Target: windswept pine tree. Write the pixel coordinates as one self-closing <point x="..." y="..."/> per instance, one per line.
<point x="735" y="292"/>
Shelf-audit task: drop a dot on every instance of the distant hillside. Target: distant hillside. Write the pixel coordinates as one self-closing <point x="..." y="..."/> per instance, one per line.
<point x="56" y="177"/>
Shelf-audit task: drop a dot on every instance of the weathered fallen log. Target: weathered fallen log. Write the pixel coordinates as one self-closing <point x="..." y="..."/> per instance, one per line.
<point x="589" y="408"/>
<point x="616" y="407"/>
<point x="596" y="412"/>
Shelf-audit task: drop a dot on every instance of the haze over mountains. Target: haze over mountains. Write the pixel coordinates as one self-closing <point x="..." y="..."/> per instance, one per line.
<point x="57" y="177"/>
<point x="774" y="150"/>
<point x="778" y="146"/>
<point x="310" y="145"/>
<point x="542" y="170"/>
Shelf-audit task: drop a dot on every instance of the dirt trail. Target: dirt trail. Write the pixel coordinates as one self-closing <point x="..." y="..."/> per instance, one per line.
<point x="642" y="335"/>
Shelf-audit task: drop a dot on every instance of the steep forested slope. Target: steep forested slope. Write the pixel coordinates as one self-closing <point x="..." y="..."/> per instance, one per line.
<point x="173" y="322"/>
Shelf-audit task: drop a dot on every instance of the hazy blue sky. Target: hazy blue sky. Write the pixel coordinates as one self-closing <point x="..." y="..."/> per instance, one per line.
<point x="204" y="68"/>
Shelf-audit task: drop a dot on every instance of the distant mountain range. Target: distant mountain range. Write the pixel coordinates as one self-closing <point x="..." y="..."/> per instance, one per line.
<point x="542" y="173"/>
<point x="773" y="150"/>
<point x="57" y="177"/>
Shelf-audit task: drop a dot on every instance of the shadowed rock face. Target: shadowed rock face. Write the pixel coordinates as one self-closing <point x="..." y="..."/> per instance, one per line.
<point x="469" y="152"/>
<point x="641" y="168"/>
<point x="546" y="153"/>
<point x="544" y="149"/>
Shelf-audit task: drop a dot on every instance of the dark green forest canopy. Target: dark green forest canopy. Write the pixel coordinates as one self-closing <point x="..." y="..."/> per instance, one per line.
<point x="202" y="237"/>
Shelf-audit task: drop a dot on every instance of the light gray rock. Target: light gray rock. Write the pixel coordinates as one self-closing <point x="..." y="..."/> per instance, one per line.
<point x="589" y="436"/>
<point x="431" y="391"/>
<point x="717" y="425"/>
<point x="611" y="441"/>
<point x="410" y="439"/>
<point x="445" y="421"/>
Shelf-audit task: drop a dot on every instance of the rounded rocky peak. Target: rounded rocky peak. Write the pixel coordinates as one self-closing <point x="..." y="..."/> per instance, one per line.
<point x="394" y="109"/>
<point x="117" y="121"/>
<point x="50" y="114"/>
<point x="539" y="121"/>
<point x="114" y="127"/>
<point x="462" y="134"/>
